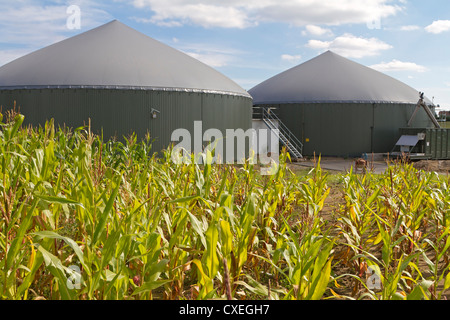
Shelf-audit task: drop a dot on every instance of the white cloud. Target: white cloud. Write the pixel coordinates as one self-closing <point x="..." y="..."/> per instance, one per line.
<point x="27" y="25"/>
<point x="214" y="60"/>
<point x="410" y="28"/>
<point x="7" y="56"/>
<point x="214" y="55"/>
<point x="248" y="83"/>
<point x="396" y="65"/>
<point x="318" y="44"/>
<point x="37" y="25"/>
<point x="438" y="26"/>
<point x="291" y="58"/>
<point x="32" y="24"/>
<point x="317" y="31"/>
<point x="337" y="12"/>
<point x="440" y="94"/>
<point x="159" y="23"/>
<point x="351" y="46"/>
<point x="206" y="14"/>
<point x="243" y="14"/>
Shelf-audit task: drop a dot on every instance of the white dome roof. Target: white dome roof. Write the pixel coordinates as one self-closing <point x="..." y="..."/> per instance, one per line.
<point x="114" y="56"/>
<point x="331" y="78"/>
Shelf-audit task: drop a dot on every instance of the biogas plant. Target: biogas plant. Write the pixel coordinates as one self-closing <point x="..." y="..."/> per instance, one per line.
<point x="336" y="107"/>
<point x="124" y="82"/>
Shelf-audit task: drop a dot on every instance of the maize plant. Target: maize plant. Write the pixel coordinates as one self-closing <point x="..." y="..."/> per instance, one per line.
<point x="87" y="219"/>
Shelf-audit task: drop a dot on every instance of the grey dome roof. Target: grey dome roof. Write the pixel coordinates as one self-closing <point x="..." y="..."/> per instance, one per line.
<point x="114" y="56"/>
<point x="332" y="78"/>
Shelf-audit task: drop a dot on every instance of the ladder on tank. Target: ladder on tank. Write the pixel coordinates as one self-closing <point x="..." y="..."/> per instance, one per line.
<point x="286" y="137"/>
<point x="422" y="104"/>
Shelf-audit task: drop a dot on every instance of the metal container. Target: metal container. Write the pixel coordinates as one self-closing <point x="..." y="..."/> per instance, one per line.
<point x="119" y="113"/>
<point x="432" y="143"/>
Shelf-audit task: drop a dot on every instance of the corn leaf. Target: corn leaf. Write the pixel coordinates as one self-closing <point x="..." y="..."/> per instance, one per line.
<point x="57" y="269"/>
<point x="104" y="216"/>
<point x="59" y="200"/>
<point x="210" y="258"/>
<point x="70" y="242"/>
<point x="17" y="242"/>
<point x="149" y="286"/>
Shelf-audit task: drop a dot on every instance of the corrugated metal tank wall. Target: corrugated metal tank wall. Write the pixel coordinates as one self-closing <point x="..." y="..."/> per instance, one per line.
<point x="346" y="129"/>
<point x="121" y="112"/>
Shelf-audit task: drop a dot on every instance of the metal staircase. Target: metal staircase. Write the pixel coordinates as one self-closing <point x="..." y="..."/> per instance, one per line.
<point x="286" y="137"/>
<point x="421" y="103"/>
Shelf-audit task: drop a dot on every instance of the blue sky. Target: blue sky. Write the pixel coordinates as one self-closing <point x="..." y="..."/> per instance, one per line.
<point x="253" y="40"/>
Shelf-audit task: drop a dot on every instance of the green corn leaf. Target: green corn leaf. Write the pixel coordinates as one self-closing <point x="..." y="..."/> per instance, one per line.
<point x="444" y="250"/>
<point x="156" y="269"/>
<point x="59" y="200"/>
<point x="196" y="225"/>
<point x="373" y="197"/>
<point x="223" y="183"/>
<point x="205" y="281"/>
<point x="254" y="286"/>
<point x="226" y="237"/>
<point x="207" y="172"/>
<point x="321" y="273"/>
<point x="57" y="269"/>
<point x="110" y="247"/>
<point x="184" y="199"/>
<point x="322" y="283"/>
<point x="149" y="286"/>
<point x="70" y="242"/>
<point x="38" y="260"/>
<point x="420" y="291"/>
<point x="18" y="120"/>
<point x="431" y="265"/>
<point x="181" y="220"/>
<point x="16" y="244"/>
<point x="104" y="216"/>
<point x="447" y="281"/>
<point x="210" y="258"/>
<point x="112" y="278"/>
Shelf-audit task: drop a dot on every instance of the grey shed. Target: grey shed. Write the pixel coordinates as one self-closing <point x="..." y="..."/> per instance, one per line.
<point x="125" y="82"/>
<point x="337" y="107"/>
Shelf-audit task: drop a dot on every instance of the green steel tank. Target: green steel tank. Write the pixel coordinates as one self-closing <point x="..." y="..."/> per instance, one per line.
<point x="337" y="107"/>
<point x="124" y="82"/>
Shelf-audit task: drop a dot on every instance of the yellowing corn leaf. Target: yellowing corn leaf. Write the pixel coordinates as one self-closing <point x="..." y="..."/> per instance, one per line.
<point x="210" y="258"/>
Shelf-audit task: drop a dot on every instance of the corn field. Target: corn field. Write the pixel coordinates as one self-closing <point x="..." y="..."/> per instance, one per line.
<point x="83" y="219"/>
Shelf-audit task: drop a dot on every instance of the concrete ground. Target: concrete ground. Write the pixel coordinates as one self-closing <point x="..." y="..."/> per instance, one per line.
<point x="343" y="165"/>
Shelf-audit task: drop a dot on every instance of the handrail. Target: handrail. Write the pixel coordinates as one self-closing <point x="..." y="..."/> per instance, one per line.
<point x="283" y="126"/>
<point x="285" y="132"/>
